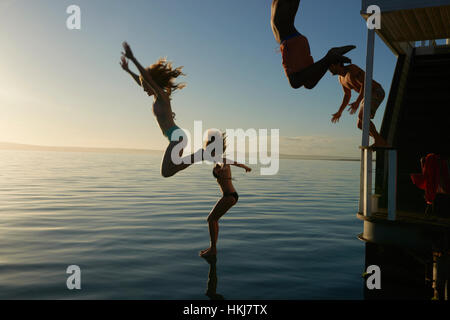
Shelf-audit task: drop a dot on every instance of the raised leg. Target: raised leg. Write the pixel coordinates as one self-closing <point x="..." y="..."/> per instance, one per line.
<point x="310" y="76"/>
<point x="169" y="168"/>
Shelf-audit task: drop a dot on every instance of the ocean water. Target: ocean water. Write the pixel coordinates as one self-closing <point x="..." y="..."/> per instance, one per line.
<point x="136" y="235"/>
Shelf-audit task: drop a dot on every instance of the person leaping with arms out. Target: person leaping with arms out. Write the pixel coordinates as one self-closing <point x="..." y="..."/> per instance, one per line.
<point x="299" y="65"/>
<point x="352" y="77"/>
<point x="222" y="173"/>
<point x="158" y="82"/>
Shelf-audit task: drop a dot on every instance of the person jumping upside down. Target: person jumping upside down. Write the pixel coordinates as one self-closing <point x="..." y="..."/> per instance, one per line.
<point x="299" y="65"/>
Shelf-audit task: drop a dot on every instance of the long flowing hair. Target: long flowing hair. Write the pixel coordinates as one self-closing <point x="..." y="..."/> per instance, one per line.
<point x="211" y="138"/>
<point x="164" y="74"/>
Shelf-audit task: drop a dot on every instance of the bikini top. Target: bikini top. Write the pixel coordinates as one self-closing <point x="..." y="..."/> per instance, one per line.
<point x="216" y="176"/>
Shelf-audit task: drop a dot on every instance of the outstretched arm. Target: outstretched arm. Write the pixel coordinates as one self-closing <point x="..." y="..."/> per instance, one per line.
<point x="345" y="101"/>
<point x="124" y="65"/>
<point x="144" y="74"/>
<point x="237" y="164"/>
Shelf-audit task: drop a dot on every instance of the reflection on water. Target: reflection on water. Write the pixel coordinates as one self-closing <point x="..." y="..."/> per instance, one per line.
<point x="136" y="235"/>
<point x="211" y="291"/>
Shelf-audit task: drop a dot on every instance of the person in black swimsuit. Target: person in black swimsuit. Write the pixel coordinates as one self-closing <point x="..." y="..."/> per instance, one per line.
<point x="222" y="173"/>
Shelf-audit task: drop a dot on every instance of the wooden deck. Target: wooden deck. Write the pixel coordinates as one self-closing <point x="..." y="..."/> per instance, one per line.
<point x="416" y="231"/>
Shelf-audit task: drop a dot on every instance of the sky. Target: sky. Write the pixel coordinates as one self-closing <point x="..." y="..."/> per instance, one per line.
<point x="61" y="87"/>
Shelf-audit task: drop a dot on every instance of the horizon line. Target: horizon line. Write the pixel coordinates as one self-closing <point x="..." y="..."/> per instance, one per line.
<point x="32" y="147"/>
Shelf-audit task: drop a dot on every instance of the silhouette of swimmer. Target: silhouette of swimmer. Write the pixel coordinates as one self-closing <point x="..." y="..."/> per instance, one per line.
<point x="222" y="173"/>
<point x="158" y="81"/>
<point x="212" y="278"/>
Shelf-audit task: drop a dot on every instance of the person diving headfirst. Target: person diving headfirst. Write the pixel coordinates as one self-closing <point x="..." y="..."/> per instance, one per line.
<point x="352" y="78"/>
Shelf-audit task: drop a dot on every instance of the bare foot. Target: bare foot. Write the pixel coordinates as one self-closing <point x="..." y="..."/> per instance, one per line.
<point x="341" y="50"/>
<point x="336" y="55"/>
<point x="335" y="58"/>
<point x="208" y="252"/>
<point x="214" y="296"/>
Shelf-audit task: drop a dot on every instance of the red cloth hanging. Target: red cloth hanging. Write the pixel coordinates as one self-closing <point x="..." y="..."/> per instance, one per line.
<point x="435" y="176"/>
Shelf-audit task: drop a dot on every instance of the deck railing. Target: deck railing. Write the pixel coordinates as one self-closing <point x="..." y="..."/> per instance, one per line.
<point x="366" y="197"/>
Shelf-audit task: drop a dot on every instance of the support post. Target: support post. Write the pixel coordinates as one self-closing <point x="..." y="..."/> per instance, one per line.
<point x="392" y="185"/>
<point x="367" y="182"/>
<point x="367" y="158"/>
<point x="368" y="86"/>
<point x="361" y="184"/>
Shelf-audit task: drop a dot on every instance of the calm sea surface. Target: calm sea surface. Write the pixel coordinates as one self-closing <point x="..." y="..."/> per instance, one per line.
<point x="136" y="235"/>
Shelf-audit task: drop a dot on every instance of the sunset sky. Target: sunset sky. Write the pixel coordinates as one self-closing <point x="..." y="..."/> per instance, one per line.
<point x="65" y="87"/>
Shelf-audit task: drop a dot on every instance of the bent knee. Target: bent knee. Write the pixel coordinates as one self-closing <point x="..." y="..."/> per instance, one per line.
<point x="295" y="85"/>
<point x="298" y="80"/>
<point x="166" y="173"/>
<point x="211" y="219"/>
<point x="359" y="123"/>
<point x="309" y="86"/>
<point x="295" y="82"/>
